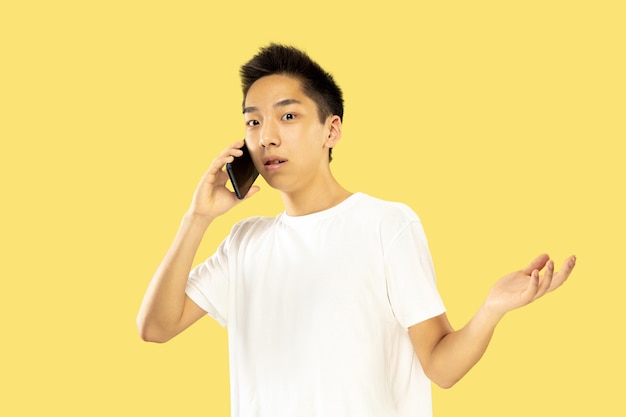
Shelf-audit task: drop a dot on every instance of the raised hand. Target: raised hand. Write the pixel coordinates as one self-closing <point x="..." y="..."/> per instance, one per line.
<point x="211" y="198"/>
<point x="522" y="287"/>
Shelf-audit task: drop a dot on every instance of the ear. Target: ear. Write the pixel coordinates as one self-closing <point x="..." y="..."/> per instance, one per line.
<point x="334" y="131"/>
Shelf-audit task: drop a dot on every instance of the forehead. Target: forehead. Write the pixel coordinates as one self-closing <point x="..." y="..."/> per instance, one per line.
<point x="273" y="88"/>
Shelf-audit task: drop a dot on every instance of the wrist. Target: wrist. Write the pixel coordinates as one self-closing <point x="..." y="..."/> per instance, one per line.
<point x="194" y="219"/>
<point x="490" y="313"/>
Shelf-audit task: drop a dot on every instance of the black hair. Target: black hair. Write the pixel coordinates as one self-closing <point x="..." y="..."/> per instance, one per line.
<point x="316" y="83"/>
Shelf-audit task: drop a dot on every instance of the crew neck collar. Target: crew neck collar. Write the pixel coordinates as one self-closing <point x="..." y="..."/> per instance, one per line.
<point x="343" y="205"/>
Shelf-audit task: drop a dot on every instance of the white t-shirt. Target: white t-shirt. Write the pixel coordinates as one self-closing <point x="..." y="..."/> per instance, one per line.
<point x="317" y="309"/>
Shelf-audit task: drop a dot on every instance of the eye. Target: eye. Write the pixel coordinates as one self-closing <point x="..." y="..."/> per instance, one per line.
<point x="252" y="122"/>
<point x="289" y="116"/>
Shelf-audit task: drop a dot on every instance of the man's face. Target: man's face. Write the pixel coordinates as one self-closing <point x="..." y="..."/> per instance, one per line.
<point x="288" y="143"/>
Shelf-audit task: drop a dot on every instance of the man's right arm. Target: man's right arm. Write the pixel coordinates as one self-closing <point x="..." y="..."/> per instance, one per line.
<point x="166" y="310"/>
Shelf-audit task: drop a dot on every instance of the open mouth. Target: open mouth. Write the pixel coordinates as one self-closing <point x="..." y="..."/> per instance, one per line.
<point x="274" y="162"/>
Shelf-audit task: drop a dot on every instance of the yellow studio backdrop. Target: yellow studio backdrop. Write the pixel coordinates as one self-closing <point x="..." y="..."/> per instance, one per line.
<point x="500" y="123"/>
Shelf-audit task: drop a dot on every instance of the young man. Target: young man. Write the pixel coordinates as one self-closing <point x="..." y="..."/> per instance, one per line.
<point x="331" y="307"/>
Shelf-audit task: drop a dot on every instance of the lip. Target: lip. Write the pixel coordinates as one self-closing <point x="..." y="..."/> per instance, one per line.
<point x="273" y="162"/>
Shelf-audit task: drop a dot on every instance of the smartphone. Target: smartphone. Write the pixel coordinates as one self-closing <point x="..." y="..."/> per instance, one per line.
<point x="242" y="173"/>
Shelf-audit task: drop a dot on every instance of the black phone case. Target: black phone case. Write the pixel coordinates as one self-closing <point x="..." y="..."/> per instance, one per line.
<point x="242" y="173"/>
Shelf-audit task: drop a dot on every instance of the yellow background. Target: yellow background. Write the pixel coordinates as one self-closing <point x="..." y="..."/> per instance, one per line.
<point x="502" y="124"/>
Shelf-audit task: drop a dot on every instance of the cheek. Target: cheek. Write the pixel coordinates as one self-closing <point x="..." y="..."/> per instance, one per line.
<point x="312" y="132"/>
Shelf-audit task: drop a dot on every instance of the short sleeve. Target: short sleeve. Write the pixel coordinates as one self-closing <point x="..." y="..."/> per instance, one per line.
<point x="410" y="275"/>
<point x="208" y="285"/>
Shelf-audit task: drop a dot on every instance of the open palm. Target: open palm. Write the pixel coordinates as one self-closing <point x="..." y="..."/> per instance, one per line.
<point x="522" y="287"/>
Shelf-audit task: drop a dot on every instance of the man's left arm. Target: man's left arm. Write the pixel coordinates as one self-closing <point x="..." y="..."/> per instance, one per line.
<point x="447" y="355"/>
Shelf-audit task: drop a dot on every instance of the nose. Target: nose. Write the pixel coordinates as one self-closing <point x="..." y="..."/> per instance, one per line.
<point x="269" y="135"/>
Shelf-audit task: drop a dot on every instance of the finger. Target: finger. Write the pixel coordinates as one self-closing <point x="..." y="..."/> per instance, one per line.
<point x="563" y="274"/>
<point x="533" y="286"/>
<point x="226" y="156"/>
<point x="231" y="152"/>
<point x="538" y="263"/>
<point x="546" y="280"/>
<point x="235" y="149"/>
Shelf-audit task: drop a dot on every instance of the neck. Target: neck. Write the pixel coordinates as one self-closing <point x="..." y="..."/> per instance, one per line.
<point x="308" y="202"/>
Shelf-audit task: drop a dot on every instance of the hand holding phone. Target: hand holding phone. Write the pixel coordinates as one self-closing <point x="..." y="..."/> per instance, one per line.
<point x="242" y="173"/>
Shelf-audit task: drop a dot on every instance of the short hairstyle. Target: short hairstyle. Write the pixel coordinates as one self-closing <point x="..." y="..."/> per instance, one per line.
<point x="316" y="83"/>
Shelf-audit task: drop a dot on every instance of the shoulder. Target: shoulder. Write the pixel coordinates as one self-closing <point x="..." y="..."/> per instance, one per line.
<point x="388" y="219"/>
<point x="384" y="210"/>
<point x="252" y="226"/>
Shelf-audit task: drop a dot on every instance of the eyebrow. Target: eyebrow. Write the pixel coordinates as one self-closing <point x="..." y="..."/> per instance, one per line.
<point x="280" y="103"/>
